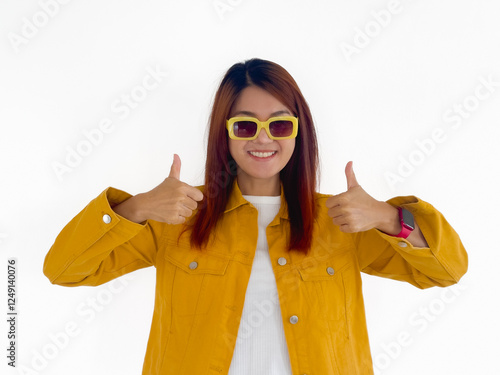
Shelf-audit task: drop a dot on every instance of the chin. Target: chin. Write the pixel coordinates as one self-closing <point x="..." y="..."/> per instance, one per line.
<point x="262" y="175"/>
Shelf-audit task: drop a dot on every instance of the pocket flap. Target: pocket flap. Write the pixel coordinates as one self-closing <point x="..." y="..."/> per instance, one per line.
<point x="194" y="261"/>
<point x="325" y="268"/>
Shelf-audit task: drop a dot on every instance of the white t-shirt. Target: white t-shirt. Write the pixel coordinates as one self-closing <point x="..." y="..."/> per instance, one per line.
<point x="261" y="347"/>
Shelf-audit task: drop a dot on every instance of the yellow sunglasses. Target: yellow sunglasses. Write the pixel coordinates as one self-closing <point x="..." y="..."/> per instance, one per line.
<point x="248" y="128"/>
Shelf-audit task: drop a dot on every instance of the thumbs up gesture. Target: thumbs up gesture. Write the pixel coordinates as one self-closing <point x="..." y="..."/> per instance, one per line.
<point x="172" y="201"/>
<point x="354" y="210"/>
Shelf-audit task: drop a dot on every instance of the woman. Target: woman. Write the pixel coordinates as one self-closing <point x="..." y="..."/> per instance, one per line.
<point x="257" y="273"/>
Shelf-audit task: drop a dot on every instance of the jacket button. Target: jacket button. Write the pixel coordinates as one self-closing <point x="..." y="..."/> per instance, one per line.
<point x="193" y="265"/>
<point x="106" y="218"/>
<point x="402" y="244"/>
<point x="281" y="261"/>
<point x="330" y="270"/>
<point x="294" y="319"/>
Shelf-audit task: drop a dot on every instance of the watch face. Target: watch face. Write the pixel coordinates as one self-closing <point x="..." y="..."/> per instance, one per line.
<point x="408" y="219"/>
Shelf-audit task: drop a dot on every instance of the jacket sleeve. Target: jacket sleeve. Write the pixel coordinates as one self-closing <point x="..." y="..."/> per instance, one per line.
<point x="92" y="249"/>
<point x="443" y="263"/>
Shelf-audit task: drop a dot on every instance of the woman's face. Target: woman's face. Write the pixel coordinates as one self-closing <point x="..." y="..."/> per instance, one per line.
<point x="260" y="160"/>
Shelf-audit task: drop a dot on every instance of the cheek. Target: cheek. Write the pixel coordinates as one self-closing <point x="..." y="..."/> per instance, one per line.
<point x="288" y="146"/>
<point x="233" y="148"/>
<point x="236" y="148"/>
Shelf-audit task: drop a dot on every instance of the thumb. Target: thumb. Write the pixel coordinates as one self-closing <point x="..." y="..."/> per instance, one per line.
<point x="351" y="177"/>
<point x="175" y="169"/>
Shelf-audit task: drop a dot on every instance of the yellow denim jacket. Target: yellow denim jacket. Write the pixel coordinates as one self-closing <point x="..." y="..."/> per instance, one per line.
<point x="200" y="295"/>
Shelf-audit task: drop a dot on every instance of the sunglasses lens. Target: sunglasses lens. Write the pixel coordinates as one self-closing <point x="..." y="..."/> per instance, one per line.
<point x="244" y="129"/>
<point x="281" y="128"/>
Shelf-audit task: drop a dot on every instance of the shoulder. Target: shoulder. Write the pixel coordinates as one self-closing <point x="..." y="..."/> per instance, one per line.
<point x="321" y="209"/>
<point x="318" y="196"/>
<point x="321" y="198"/>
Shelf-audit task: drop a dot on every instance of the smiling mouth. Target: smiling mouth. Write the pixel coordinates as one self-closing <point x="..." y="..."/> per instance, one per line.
<point x="262" y="154"/>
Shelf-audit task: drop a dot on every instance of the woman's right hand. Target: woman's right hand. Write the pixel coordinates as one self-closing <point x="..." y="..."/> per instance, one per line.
<point x="171" y="202"/>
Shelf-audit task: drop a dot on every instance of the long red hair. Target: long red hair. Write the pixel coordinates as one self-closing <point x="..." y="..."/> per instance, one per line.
<point x="299" y="176"/>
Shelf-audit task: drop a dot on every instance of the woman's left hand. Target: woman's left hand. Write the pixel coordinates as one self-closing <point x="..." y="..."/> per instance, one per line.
<point x="355" y="210"/>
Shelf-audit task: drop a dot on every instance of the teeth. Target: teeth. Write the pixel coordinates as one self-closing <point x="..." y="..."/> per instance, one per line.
<point x="262" y="154"/>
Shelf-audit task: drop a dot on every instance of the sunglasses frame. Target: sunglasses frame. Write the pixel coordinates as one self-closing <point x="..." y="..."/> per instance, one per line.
<point x="262" y="125"/>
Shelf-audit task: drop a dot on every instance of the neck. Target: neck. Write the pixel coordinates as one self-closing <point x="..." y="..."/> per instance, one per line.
<point x="257" y="186"/>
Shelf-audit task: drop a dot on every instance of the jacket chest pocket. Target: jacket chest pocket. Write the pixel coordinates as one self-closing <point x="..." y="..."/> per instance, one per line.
<point x="324" y="282"/>
<point x="330" y="281"/>
<point x="198" y="275"/>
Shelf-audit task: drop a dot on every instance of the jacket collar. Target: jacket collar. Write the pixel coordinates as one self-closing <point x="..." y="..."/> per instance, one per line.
<point x="236" y="200"/>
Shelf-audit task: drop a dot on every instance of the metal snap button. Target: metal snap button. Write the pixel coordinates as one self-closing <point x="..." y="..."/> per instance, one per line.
<point x="106" y="218"/>
<point x="193" y="265"/>
<point x="330" y="270"/>
<point x="294" y="319"/>
<point x="281" y="261"/>
<point x="402" y="244"/>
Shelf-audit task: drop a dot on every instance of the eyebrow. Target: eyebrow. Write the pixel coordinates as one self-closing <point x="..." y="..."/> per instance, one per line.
<point x="277" y="113"/>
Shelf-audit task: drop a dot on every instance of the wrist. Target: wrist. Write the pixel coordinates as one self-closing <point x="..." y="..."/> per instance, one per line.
<point x="389" y="221"/>
<point x="131" y="209"/>
<point x="138" y="209"/>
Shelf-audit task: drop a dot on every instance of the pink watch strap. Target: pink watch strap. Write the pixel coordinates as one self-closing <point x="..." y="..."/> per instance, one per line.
<point x="405" y="231"/>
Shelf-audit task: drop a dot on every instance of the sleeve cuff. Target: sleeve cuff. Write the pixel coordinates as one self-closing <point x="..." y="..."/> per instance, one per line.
<point x="418" y="208"/>
<point x="110" y="198"/>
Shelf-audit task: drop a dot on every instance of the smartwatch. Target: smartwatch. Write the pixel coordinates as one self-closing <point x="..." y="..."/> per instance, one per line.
<point x="407" y="223"/>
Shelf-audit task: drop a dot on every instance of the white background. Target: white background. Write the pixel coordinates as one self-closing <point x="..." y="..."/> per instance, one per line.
<point x="421" y="61"/>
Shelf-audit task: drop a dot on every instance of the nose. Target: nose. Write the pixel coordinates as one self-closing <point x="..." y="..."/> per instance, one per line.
<point x="263" y="137"/>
